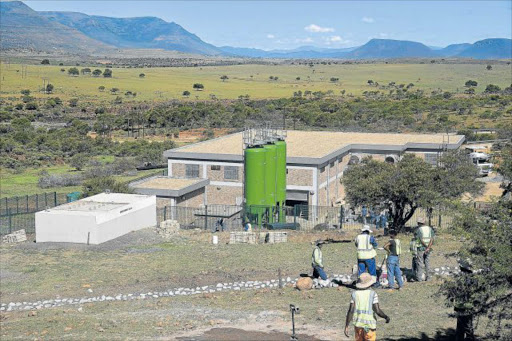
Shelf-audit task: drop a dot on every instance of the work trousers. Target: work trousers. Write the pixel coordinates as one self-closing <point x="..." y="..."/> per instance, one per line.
<point x="394" y="271"/>
<point x="362" y="335"/>
<point x="364" y="264"/>
<point x="422" y="266"/>
<point x="464" y="330"/>
<point x="319" y="272"/>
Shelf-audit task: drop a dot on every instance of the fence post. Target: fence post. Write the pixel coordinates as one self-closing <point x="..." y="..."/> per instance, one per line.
<point x="45" y="200"/>
<point x="295" y="216"/>
<point x="10" y="220"/>
<point x="27" y="203"/>
<point x="37" y="202"/>
<point x="342" y="216"/>
<point x="439" y="223"/>
<point x="6" y="205"/>
<point x="55" y="199"/>
<point x="17" y="205"/>
<point x="205" y="217"/>
<point x="165" y="213"/>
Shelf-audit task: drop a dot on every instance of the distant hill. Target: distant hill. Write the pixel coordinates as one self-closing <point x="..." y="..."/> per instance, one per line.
<point x="495" y="48"/>
<point x="141" y="32"/>
<point x="22" y="27"/>
<point x="387" y="48"/>
<point x="452" y="50"/>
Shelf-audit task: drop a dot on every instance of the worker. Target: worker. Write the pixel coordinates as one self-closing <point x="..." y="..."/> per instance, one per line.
<point x="413" y="247"/>
<point x="363" y="304"/>
<point x="366" y="254"/>
<point x="425" y="238"/>
<point x="248" y="227"/>
<point x="318" y="264"/>
<point x="394" y="249"/>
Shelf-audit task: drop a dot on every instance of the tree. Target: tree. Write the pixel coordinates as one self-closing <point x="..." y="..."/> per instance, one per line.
<point x="492" y="89"/>
<point x="487" y="250"/>
<point x="96" y="73"/>
<point x="98" y="185"/>
<point x="101" y="88"/>
<point x="45" y="62"/>
<point x="224" y="78"/>
<point x="25" y="92"/>
<point x="107" y="73"/>
<point x="49" y="88"/>
<point x="142" y="75"/>
<point x="470" y="83"/>
<point x="488" y="67"/>
<point x="114" y="91"/>
<point x="78" y="161"/>
<point x="409" y="184"/>
<point x="186" y="93"/>
<point x="334" y="79"/>
<point x="31" y="106"/>
<point x="271" y="78"/>
<point x="370" y="82"/>
<point x="198" y="86"/>
<point x="298" y="78"/>
<point x="85" y="71"/>
<point x="470" y="91"/>
<point x="73" y="71"/>
<point x="73" y="102"/>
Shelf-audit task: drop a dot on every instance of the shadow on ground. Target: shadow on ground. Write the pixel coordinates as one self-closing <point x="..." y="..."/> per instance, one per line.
<point x="441" y="335"/>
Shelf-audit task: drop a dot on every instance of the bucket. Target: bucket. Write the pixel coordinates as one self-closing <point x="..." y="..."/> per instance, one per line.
<point x="215" y="240"/>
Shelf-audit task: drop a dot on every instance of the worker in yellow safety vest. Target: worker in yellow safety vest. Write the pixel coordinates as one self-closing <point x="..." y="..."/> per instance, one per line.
<point x="366" y="254"/>
<point x="394" y="249"/>
<point x="425" y="239"/>
<point x="364" y="304"/>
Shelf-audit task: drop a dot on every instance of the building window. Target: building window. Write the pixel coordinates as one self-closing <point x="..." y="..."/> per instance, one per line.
<point x="331" y="164"/>
<point x="191" y="171"/>
<point x="231" y="173"/>
<point x="215" y="167"/>
<point x="322" y="169"/>
<point x="431" y="158"/>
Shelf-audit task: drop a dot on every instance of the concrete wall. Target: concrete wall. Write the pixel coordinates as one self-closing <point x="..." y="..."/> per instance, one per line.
<point x="223" y="195"/>
<point x="75" y="226"/>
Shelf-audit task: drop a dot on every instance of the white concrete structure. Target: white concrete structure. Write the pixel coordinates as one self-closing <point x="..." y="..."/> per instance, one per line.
<point x="96" y="219"/>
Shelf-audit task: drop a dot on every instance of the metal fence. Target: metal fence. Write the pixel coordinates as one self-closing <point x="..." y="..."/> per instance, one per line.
<point x="18" y="213"/>
<point x="299" y="217"/>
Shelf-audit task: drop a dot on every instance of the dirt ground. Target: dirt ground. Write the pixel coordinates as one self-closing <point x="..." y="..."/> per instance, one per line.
<point x="142" y="262"/>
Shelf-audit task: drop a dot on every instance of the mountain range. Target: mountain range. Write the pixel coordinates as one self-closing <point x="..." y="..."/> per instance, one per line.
<point x="22" y="27"/>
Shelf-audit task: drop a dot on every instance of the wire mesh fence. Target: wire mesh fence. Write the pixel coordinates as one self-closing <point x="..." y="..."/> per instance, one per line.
<point x="18" y="213"/>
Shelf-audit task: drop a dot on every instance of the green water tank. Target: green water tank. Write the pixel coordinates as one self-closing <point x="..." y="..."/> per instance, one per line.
<point x="255" y="165"/>
<point x="270" y="180"/>
<point x="281" y="172"/>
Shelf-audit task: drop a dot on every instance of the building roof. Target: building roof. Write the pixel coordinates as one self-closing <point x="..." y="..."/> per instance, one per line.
<point x="167" y="186"/>
<point x="318" y="147"/>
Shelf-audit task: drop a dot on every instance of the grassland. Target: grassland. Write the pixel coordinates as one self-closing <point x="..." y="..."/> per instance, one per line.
<point x="26" y="183"/>
<point x="32" y="272"/>
<point x="253" y="80"/>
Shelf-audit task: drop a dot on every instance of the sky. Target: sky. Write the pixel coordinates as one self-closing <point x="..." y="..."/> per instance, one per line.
<point x="330" y="24"/>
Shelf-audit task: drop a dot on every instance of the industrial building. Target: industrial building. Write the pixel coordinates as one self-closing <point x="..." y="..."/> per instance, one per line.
<point x="96" y="219"/>
<point x="212" y="172"/>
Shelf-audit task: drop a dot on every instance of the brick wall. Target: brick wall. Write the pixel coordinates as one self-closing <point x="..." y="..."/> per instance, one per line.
<point x="192" y="199"/>
<point x="223" y="195"/>
<point x="299" y="177"/>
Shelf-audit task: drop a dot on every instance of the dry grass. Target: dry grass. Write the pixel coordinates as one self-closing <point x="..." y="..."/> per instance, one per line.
<point x="318" y="144"/>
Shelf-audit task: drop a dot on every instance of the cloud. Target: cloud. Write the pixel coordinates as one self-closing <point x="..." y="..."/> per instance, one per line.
<point x="318" y="29"/>
<point x="270" y="36"/>
<point x="368" y="20"/>
<point x="335" y="40"/>
<point x="305" y="40"/>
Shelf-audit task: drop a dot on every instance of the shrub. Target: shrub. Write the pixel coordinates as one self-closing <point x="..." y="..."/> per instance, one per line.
<point x="101" y="184"/>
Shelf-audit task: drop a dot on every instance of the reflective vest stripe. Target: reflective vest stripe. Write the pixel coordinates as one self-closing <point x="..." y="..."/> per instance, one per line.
<point x="363" y="317"/>
<point x="365" y="249"/>
<point x="398" y="247"/>
<point x="425" y="234"/>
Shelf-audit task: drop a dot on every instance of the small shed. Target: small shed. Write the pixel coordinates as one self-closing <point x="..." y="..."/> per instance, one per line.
<point x="96" y="219"/>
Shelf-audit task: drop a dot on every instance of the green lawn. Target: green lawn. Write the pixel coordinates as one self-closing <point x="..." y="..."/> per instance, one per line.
<point x="169" y="83"/>
<point x="25" y="183"/>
